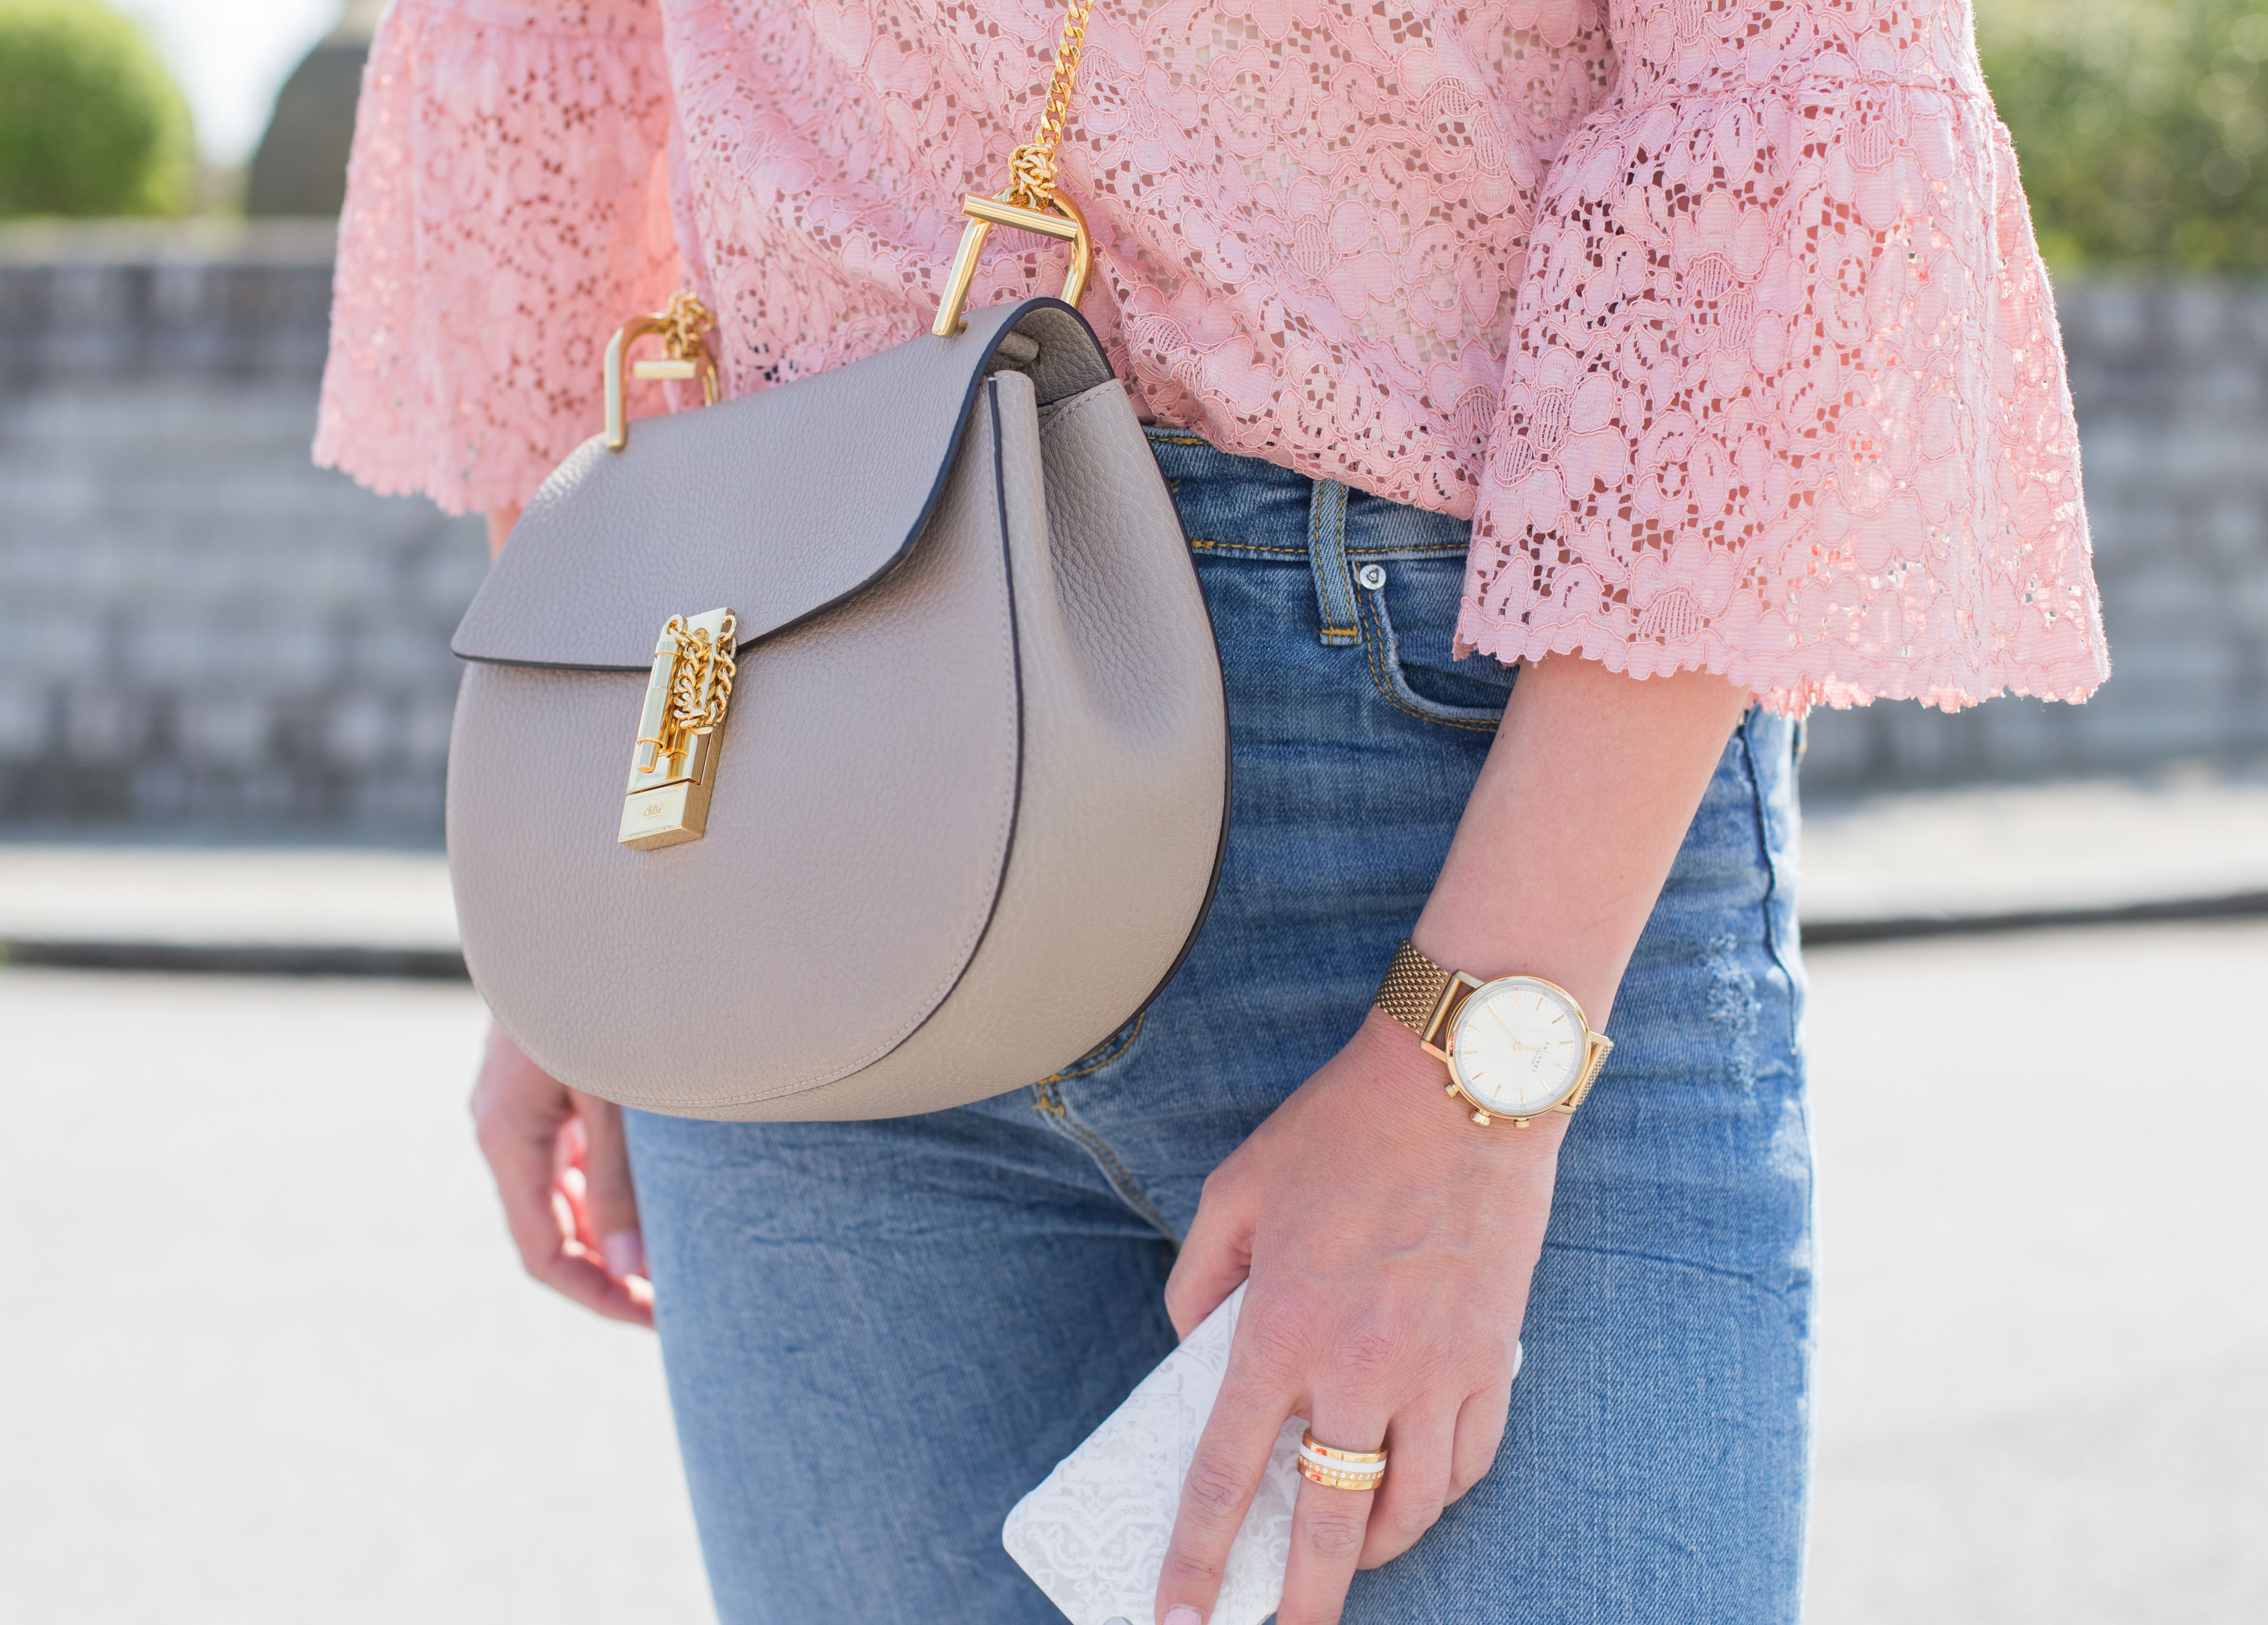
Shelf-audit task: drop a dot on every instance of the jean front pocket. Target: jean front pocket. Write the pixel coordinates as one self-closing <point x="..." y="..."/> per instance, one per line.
<point x="1408" y="608"/>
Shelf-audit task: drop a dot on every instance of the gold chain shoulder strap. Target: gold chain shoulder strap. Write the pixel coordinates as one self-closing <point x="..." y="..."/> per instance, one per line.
<point x="1032" y="166"/>
<point x="1032" y="201"/>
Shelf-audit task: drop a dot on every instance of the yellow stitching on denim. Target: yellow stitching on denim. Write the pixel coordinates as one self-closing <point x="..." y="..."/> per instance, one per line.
<point x="1246" y="546"/>
<point x="1129" y="1188"/>
<point x="1107" y="1057"/>
<point x="1256" y="547"/>
<point x="1174" y="439"/>
<point x="1315" y="507"/>
<point x="1378" y="678"/>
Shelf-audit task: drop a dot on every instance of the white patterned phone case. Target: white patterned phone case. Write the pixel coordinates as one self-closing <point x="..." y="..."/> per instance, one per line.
<point x="1092" y="1535"/>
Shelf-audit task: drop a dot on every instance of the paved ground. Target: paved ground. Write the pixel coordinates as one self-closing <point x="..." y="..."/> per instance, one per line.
<point x="2043" y="1384"/>
<point x="1994" y="850"/>
<point x="267" y="1358"/>
<point x="2005" y="849"/>
<point x="348" y="896"/>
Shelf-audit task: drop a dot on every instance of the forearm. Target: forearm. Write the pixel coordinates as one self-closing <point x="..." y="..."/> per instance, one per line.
<point x="1574" y="823"/>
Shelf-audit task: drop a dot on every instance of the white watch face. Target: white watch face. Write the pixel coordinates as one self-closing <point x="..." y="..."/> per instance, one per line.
<point x="1518" y="1046"/>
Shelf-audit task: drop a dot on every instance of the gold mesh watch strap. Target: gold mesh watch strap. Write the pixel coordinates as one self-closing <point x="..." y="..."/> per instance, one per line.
<point x="1412" y="988"/>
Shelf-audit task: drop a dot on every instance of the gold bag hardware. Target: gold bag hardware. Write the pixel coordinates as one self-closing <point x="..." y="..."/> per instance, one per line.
<point x="685" y="356"/>
<point x="673" y="763"/>
<point x="1032" y="201"/>
<point x="1061" y="219"/>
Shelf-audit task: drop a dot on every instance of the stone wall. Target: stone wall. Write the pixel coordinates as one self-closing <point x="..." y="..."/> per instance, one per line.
<point x="199" y="633"/>
<point x="2171" y="385"/>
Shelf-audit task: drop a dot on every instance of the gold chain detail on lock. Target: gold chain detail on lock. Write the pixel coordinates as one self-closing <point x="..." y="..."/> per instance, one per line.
<point x="1032" y="166"/>
<point x="704" y="668"/>
<point x="680" y="729"/>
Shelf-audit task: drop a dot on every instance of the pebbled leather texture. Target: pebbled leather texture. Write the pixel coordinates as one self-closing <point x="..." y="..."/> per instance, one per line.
<point x="967" y="820"/>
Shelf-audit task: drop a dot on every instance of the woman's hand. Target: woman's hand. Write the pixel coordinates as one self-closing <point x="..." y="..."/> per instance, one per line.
<point x="560" y="1161"/>
<point x="1389" y="1240"/>
<point x="563" y="1172"/>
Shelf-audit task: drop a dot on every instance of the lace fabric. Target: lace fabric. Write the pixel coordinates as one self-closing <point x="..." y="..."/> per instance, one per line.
<point x="1721" y="318"/>
<point x="508" y="206"/>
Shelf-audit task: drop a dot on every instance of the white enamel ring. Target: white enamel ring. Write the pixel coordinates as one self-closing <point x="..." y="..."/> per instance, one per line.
<point x="1340" y="1469"/>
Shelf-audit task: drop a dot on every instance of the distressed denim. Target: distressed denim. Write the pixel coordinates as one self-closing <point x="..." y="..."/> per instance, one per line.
<point x="880" y="1335"/>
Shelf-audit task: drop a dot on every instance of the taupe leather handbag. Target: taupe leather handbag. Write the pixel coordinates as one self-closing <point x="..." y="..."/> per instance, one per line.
<point x="919" y="793"/>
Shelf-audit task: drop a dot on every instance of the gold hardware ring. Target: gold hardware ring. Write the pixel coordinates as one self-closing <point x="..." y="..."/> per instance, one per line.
<point x="1339" y="1469"/>
<point x="684" y="356"/>
<point x="1065" y="223"/>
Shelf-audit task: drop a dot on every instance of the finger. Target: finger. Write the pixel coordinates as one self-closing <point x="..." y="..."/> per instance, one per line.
<point x="1417" y="1485"/>
<point x="1213" y="1262"/>
<point x="1231" y="1455"/>
<point x="519" y="1117"/>
<point x="609" y="1195"/>
<point x="576" y="1273"/>
<point x="1480" y="1433"/>
<point x="1329" y="1527"/>
<point x="519" y="1144"/>
<point x="543" y="1231"/>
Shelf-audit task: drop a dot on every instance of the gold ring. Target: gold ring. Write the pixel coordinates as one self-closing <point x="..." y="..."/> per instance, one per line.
<point x="1340" y="1469"/>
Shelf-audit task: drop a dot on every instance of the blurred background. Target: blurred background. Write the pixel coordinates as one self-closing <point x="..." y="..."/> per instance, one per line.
<point x="270" y="1356"/>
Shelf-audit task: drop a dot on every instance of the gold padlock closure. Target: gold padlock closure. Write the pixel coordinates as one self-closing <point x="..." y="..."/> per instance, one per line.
<point x="680" y="732"/>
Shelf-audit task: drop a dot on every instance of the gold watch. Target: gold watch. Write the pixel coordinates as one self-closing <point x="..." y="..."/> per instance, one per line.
<point x="1516" y="1047"/>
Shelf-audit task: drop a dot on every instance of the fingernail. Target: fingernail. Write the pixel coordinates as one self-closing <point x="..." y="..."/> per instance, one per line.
<point x="625" y="1253"/>
<point x="1183" y="1616"/>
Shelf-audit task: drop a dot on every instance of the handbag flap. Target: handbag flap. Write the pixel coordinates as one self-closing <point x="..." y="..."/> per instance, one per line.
<point x="779" y="504"/>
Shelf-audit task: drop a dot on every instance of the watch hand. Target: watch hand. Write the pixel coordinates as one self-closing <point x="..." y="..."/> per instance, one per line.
<point x="1499" y="1019"/>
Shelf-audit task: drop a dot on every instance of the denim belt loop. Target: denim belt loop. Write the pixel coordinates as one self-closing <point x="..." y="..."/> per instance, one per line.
<point x="1341" y="625"/>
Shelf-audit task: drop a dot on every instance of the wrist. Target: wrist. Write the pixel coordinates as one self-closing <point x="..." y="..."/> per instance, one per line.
<point x="1512" y="948"/>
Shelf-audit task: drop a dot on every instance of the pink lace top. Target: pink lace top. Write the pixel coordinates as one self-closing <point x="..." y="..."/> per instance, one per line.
<point x="1721" y="318"/>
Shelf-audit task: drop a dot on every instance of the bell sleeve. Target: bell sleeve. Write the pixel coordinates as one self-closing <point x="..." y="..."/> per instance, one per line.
<point x="1786" y="398"/>
<point x="507" y="207"/>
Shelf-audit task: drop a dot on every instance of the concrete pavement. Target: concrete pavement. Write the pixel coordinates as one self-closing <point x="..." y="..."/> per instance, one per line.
<point x="269" y="1357"/>
<point x="2043" y="1371"/>
<point x="2175" y="836"/>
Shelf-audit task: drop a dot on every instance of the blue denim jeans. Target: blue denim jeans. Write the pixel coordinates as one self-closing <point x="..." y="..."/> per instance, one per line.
<point x="878" y="1335"/>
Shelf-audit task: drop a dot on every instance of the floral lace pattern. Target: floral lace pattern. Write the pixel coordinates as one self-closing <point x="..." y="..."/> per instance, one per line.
<point x="1720" y="318"/>
<point x="507" y="206"/>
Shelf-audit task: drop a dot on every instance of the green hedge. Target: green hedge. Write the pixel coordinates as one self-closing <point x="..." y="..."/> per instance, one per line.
<point x="90" y="123"/>
<point x="2141" y="127"/>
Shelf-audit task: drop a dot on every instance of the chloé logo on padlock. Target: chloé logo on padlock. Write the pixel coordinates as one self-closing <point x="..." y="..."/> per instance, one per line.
<point x="674" y="764"/>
